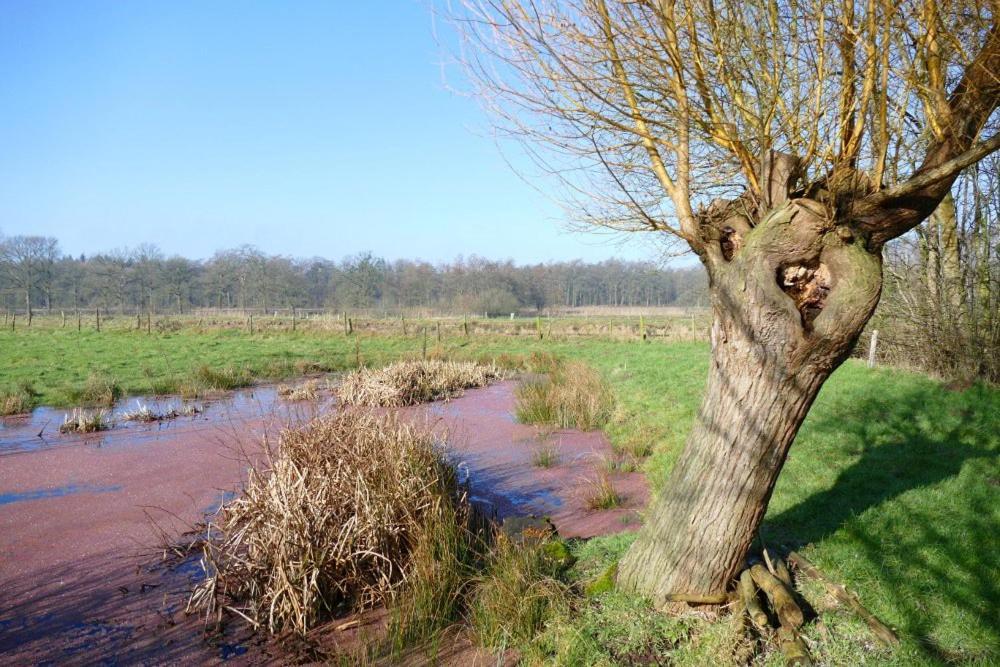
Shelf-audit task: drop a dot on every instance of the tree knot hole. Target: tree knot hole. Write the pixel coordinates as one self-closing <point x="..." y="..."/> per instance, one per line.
<point x="808" y="284"/>
<point x="730" y="242"/>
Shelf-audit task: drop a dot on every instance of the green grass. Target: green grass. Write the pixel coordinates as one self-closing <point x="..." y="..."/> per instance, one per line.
<point x="892" y="486"/>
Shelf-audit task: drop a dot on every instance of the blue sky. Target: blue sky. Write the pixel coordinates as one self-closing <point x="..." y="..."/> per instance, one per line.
<point x="305" y="128"/>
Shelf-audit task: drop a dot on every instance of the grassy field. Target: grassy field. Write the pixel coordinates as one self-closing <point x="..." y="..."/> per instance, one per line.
<point x="892" y="486"/>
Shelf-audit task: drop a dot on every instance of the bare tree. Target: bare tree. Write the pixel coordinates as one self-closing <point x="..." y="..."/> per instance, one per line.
<point x="26" y="262"/>
<point x="786" y="143"/>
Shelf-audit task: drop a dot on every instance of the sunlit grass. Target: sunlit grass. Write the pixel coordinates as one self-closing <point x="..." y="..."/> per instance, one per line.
<point x="892" y="486"/>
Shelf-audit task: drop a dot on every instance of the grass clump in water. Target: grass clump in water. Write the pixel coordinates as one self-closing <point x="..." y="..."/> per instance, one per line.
<point x="18" y="399"/>
<point x="336" y="523"/>
<point x="573" y="395"/>
<point x="412" y="382"/>
<point x="82" y="421"/>
<point x="602" y="494"/>
<point x="308" y="391"/>
<point x="545" y="456"/>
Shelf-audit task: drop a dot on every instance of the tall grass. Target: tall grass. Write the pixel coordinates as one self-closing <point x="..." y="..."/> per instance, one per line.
<point x="573" y="395"/>
<point x="17" y="399"/>
<point x="332" y="524"/>
<point x="412" y="382"/>
<point x="98" y="389"/>
<point x="357" y="510"/>
<point x="521" y="590"/>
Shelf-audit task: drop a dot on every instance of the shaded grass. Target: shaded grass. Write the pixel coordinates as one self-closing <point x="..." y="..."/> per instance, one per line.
<point x="522" y="589"/>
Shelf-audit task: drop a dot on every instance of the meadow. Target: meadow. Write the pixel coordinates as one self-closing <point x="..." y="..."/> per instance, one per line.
<point x="892" y="486"/>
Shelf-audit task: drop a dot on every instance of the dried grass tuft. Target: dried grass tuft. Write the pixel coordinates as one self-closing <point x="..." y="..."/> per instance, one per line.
<point x="147" y="415"/>
<point x="333" y="524"/>
<point x="308" y="391"/>
<point x="83" y="421"/>
<point x="412" y="382"/>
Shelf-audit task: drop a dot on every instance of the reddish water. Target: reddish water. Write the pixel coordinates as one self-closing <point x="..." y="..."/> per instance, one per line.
<point x="80" y="516"/>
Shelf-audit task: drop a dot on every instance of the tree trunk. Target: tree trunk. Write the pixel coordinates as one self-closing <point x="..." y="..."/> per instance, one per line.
<point x="951" y="262"/>
<point x="790" y="297"/>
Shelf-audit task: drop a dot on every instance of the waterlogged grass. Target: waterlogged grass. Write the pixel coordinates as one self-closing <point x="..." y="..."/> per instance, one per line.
<point x="412" y="382"/>
<point x="892" y="487"/>
<point x="571" y="395"/>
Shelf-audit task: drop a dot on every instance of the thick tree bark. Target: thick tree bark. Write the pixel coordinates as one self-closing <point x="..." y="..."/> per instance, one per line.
<point x="790" y="296"/>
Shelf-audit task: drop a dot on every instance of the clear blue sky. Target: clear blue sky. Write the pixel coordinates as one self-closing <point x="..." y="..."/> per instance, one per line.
<point x="305" y="128"/>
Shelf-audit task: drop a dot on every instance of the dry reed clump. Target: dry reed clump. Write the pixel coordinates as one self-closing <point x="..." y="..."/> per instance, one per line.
<point x="412" y="382"/>
<point x="82" y="421"/>
<point x="308" y="391"/>
<point x="332" y="525"/>
<point x="573" y="395"/>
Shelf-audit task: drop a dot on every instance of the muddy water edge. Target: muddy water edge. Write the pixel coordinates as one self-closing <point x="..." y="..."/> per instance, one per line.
<point x="83" y="517"/>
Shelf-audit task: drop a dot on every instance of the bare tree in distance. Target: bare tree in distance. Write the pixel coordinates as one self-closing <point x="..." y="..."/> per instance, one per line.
<point x="26" y="262"/>
<point x="785" y="143"/>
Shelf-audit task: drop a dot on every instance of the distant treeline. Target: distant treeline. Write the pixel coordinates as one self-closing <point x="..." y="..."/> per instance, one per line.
<point x="36" y="275"/>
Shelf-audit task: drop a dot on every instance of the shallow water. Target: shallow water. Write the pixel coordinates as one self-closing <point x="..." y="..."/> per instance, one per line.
<point x="40" y="429"/>
<point x="81" y="516"/>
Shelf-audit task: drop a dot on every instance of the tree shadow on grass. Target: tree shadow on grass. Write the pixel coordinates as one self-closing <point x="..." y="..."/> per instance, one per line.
<point x="933" y="551"/>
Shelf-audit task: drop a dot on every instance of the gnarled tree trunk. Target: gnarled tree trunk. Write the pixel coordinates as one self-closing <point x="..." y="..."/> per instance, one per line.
<point x="791" y="292"/>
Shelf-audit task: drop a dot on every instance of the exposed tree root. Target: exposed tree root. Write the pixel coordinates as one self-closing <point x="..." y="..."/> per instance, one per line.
<point x="882" y="632"/>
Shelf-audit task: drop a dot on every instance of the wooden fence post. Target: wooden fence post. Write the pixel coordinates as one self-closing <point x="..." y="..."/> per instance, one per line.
<point x="871" y="349"/>
<point x="98" y="319"/>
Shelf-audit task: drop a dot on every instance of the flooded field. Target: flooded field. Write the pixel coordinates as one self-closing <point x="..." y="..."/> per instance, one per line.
<point x="83" y="517"/>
